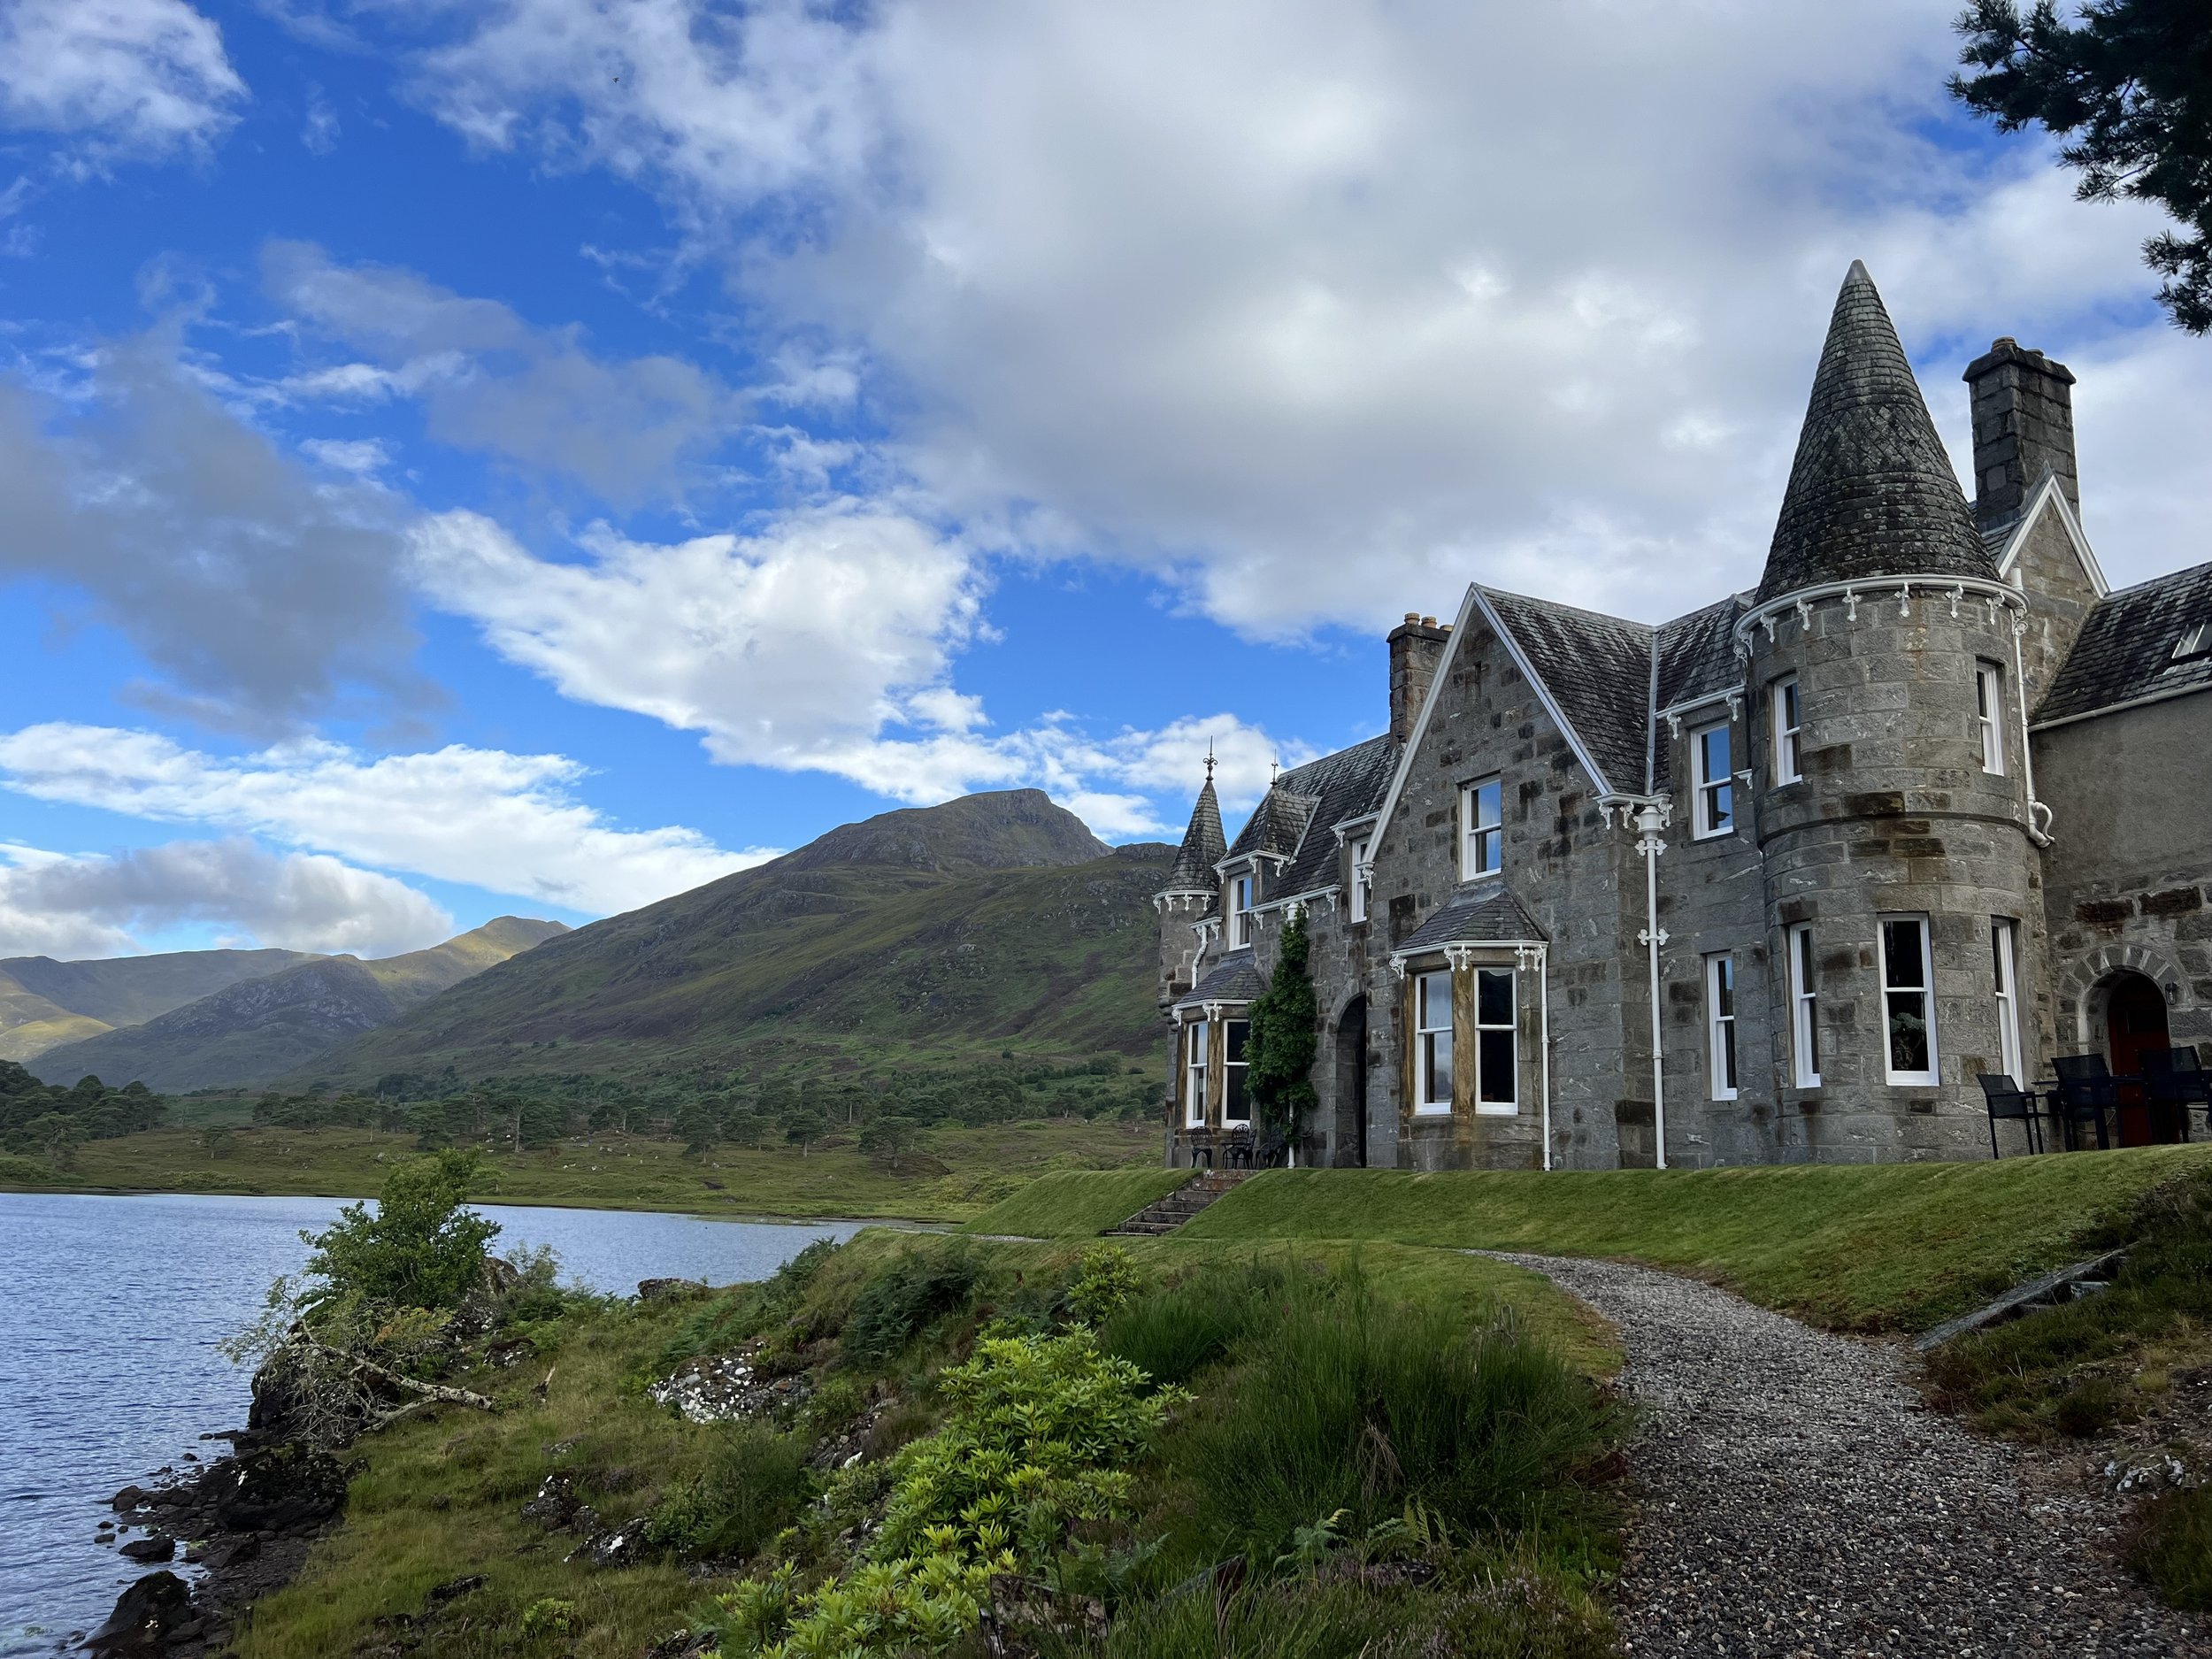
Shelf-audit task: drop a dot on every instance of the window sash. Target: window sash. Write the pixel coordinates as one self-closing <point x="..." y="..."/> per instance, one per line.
<point x="1804" y="1008"/>
<point x="1497" y="1042"/>
<point x="1716" y="812"/>
<point x="1720" y="1023"/>
<point x="1910" y="1054"/>
<point x="1789" y="760"/>
<point x="1240" y="911"/>
<point x="1194" y="1076"/>
<point x="1236" y="1105"/>
<point x="1989" y="714"/>
<point x="2004" y="950"/>
<point x="1481" y="827"/>
<point x="1432" y="1039"/>
<point x="1361" y="875"/>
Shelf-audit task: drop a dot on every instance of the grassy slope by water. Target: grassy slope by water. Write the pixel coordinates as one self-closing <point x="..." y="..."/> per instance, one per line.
<point x="440" y="1500"/>
<point x="1076" y="1203"/>
<point x="613" y="1172"/>
<point x="1865" y="1246"/>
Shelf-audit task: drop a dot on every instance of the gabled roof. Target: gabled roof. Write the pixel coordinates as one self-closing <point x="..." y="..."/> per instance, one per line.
<point x="1596" y="671"/>
<point x="1695" y="657"/>
<point x="1486" y="915"/>
<point x="1299" y="815"/>
<point x="2125" y="651"/>
<point x="1202" y="845"/>
<point x="1871" y="492"/>
<point x="1236" y="978"/>
<point x="1279" y="823"/>
<point x="2005" y="542"/>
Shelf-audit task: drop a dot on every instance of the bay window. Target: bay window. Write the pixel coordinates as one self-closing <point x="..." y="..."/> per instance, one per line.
<point x="1909" y="1029"/>
<point x="1497" y="1046"/>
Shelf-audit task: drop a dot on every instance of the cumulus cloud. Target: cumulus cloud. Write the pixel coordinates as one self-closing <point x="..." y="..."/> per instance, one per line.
<point x="506" y="823"/>
<point x="1319" y="309"/>
<point x="625" y="428"/>
<point x="53" y="905"/>
<point x="136" y="78"/>
<point x="260" y="595"/>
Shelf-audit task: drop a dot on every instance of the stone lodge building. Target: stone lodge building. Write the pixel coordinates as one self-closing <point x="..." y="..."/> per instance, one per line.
<point x="1770" y="882"/>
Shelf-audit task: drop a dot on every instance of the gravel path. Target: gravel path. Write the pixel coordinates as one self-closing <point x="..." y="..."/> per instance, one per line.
<point x="1797" y="1498"/>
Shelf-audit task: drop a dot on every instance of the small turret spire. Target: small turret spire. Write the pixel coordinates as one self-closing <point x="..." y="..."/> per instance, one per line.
<point x="1203" y="844"/>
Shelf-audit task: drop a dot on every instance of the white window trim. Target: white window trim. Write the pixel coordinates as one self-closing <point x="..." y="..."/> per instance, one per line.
<point x="2195" y="640"/>
<point x="1423" y="1081"/>
<point x="1705" y="790"/>
<point x="1498" y="1108"/>
<point x="1242" y="891"/>
<point x="1363" y="878"/>
<point x="1804" y="1008"/>
<point x="1472" y="830"/>
<point x="1989" y="714"/>
<point x="1228" y="1066"/>
<point x="1933" y="1075"/>
<point x="1195" y="1042"/>
<point x="2004" y="948"/>
<point x="1789" y="735"/>
<point x="1720" y="1029"/>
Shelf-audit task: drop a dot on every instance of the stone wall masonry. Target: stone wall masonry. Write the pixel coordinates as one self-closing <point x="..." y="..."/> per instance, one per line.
<point x="2061" y="596"/>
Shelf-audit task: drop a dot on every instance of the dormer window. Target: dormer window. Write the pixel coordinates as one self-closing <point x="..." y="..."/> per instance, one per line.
<point x="1714" y="808"/>
<point x="1240" y="911"/>
<point x="2195" y="640"/>
<point x="1363" y="878"/>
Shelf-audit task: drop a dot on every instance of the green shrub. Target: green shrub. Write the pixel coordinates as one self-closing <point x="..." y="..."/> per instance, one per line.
<point x="908" y="1293"/>
<point x="420" y="1250"/>
<point x="2173" y="1548"/>
<point x="752" y="1487"/>
<point x="1106" y="1280"/>
<point x="548" y="1617"/>
<point x="719" y="1324"/>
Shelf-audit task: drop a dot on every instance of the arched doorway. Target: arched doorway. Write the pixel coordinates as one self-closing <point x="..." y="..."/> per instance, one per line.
<point x="2135" y="1021"/>
<point x="1351" y="1085"/>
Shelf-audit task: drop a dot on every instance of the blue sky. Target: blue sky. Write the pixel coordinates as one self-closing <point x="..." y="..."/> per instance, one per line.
<point x="534" y="458"/>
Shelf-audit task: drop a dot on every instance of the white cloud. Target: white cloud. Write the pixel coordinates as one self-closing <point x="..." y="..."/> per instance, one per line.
<point x="506" y="823"/>
<point x="143" y="77"/>
<point x="54" y="905"/>
<point x="361" y="457"/>
<point x="1323" y="308"/>
<point x="627" y="429"/>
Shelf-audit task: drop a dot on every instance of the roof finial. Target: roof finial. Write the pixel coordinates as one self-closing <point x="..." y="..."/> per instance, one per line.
<point x="1273" y="767"/>
<point x="1210" y="760"/>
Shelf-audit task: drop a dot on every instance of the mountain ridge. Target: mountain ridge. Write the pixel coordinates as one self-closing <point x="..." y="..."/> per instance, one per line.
<point x="45" y="1002"/>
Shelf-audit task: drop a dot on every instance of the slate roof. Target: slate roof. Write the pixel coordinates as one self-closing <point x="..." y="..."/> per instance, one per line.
<point x="2125" y="651"/>
<point x="1490" y="915"/>
<point x="1598" y="671"/>
<point x="1202" y="846"/>
<point x="1697" y="657"/>
<point x="1350" y="783"/>
<point x="1236" y="978"/>
<point x="1871" y="492"/>
<point x="1279" y="823"/>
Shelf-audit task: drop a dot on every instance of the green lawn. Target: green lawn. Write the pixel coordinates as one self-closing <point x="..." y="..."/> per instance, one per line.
<point x="1076" y="1203"/>
<point x="1862" y="1247"/>
<point x="973" y="1169"/>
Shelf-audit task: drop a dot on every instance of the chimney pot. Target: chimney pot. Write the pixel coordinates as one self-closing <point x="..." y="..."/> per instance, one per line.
<point x="1428" y="622"/>
<point x="1413" y="616"/>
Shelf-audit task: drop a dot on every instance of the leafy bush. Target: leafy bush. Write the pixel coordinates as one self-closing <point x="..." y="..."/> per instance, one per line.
<point x="548" y="1617"/>
<point x="751" y="1489"/>
<point x="420" y="1250"/>
<point x="1107" y="1280"/>
<point x="920" y="1287"/>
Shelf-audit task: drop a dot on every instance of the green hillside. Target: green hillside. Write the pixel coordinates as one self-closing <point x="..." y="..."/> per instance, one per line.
<point x="992" y="923"/>
<point x="45" y="1003"/>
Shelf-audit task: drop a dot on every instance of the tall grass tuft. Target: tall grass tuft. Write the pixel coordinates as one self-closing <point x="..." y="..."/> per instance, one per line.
<point x="753" y="1486"/>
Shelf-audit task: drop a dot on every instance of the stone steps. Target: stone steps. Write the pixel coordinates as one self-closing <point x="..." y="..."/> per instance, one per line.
<point x="1167" y="1214"/>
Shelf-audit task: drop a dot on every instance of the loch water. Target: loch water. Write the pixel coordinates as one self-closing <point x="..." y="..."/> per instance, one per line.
<point x="111" y="1308"/>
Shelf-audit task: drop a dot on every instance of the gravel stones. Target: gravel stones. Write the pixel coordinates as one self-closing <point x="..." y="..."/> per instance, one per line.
<point x="1795" y="1496"/>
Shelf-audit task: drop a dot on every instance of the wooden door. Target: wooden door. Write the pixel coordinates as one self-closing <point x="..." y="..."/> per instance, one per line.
<point x="2135" y="1020"/>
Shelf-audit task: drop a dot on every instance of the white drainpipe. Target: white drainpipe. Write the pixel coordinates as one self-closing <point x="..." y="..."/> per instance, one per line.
<point x="1651" y="818"/>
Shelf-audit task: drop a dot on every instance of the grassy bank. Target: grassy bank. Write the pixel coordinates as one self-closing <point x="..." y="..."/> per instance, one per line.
<point x="1483" y="1441"/>
<point x="1076" y="1203"/>
<point x="1866" y="1247"/>
<point x="966" y="1170"/>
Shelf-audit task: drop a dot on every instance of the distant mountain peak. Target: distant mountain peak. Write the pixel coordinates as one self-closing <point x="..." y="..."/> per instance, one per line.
<point x="1000" y="829"/>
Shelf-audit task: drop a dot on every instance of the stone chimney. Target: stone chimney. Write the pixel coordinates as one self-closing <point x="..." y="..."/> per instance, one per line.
<point x="1417" y="645"/>
<point x="2024" y="427"/>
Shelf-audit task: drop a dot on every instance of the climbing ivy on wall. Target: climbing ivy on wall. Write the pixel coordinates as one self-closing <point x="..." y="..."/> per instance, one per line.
<point x="1280" y="1048"/>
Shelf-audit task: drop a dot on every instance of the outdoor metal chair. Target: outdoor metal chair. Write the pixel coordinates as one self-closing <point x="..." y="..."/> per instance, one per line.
<point x="2007" y="1098"/>
<point x="2086" y="1091"/>
<point x="2176" y="1080"/>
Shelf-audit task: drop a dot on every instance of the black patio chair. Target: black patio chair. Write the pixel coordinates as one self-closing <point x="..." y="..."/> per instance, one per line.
<point x="2176" y="1080"/>
<point x="2007" y="1098"/>
<point x="2086" y="1092"/>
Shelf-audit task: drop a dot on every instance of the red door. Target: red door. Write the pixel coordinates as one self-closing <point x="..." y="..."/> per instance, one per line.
<point x="2135" y="1020"/>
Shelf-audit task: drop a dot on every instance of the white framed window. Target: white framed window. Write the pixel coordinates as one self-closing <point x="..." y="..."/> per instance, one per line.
<point x="1236" y="1102"/>
<point x="1481" y="828"/>
<point x="2195" y="640"/>
<point x="1194" y="1074"/>
<point x="1433" y="1042"/>
<point x="1720" y="1023"/>
<point x="1989" y="715"/>
<point x="1789" y="749"/>
<point x="1240" y="911"/>
<point x="1804" y="1008"/>
<point x="1362" y="878"/>
<point x="1714" y="809"/>
<point x="2004" y="950"/>
<point x="1908" y="1031"/>
<point x="1497" y="1043"/>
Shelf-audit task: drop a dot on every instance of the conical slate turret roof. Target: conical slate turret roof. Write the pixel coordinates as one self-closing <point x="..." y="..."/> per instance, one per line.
<point x="1871" y="492"/>
<point x="1203" y="845"/>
